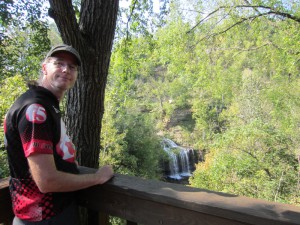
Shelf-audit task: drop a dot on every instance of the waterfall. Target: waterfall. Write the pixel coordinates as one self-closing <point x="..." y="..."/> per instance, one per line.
<point x="179" y="159"/>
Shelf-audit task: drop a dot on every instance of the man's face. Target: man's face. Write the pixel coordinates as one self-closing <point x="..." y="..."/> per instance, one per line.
<point x="60" y="73"/>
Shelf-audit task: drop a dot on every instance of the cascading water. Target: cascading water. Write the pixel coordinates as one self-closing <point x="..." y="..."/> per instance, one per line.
<point x="179" y="160"/>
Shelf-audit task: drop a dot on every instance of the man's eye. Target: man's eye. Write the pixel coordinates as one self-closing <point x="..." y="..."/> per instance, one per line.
<point x="72" y="67"/>
<point x="58" y="64"/>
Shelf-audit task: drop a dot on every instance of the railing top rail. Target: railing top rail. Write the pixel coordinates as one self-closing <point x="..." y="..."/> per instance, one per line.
<point x="217" y="204"/>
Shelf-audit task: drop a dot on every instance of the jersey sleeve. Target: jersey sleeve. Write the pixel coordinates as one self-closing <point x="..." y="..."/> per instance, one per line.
<point x="35" y="129"/>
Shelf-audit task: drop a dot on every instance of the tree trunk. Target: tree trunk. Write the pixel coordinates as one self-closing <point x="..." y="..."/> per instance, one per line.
<point x="93" y="37"/>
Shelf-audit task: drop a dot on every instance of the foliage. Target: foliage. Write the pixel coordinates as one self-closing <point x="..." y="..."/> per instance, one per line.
<point x="10" y="89"/>
<point x="129" y="139"/>
<point x="254" y="160"/>
<point x="4" y="170"/>
<point x="141" y="19"/>
<point x="129" y="142"/>
<point x="23" y="38"/>
<point x="254" y="154"/>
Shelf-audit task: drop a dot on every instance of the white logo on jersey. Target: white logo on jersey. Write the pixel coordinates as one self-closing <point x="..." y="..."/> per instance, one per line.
<point x="65" y="146"/>
<point x="36" y="113"/>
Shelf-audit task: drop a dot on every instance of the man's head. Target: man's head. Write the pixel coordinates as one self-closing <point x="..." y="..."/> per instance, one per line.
<point x="60" y="69"/>
<point x="67" y="49"/>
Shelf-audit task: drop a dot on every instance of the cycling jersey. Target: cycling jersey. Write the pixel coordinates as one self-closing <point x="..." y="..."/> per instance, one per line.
<point x="34" y="125"/>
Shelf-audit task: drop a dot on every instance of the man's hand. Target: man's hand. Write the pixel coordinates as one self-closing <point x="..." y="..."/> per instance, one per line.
<point x="105" y="173"/>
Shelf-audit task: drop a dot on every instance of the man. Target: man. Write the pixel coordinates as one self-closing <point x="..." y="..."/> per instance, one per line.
<point x="44" y="173"/>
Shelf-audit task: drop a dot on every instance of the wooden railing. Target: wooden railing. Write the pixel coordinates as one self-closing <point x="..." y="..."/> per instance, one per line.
<point x="141" y="201"/>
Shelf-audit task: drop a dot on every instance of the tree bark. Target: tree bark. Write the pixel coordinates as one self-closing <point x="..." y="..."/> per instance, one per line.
<point x="92" y="35"/>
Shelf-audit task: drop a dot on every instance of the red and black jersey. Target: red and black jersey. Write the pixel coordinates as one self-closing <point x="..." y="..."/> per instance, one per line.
<point x="34" y="125"/>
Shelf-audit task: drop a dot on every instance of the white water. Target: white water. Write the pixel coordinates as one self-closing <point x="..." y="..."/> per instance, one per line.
<point x="179" y="163"/>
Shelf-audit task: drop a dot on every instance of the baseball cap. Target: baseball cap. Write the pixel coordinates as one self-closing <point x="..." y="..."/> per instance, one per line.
<point x="65" y="48"/>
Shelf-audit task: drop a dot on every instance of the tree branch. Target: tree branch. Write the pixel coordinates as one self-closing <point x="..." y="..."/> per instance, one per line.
<point x="211" y="13"/>
<point x="255" y="7"/>
<point x="233" y="25"/>
<point x="129" y="18"/>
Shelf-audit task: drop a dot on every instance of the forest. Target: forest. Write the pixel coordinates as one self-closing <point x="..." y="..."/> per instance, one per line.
<point x="232" y="68"/>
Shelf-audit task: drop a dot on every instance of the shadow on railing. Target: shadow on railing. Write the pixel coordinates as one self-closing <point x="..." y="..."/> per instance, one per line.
<point x="141" y="201"/>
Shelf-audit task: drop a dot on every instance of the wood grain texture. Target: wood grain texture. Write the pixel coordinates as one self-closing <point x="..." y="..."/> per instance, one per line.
<point x="155" y="202"/>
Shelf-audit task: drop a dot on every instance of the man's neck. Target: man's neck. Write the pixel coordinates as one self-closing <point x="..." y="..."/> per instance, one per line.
<point x="55" y="91"/>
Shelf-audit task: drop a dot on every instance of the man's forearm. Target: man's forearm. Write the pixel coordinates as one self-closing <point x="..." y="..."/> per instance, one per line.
<point x="86" y="170"/>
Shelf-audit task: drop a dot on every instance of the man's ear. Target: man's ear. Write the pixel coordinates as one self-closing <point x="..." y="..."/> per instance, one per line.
<point x="44" y="70"/>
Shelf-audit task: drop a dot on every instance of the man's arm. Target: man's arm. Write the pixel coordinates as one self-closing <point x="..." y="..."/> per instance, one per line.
<point x="49" y="179"/>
